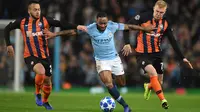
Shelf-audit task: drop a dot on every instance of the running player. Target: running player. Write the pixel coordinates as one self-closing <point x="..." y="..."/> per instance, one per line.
<point x="148" y="50"/>
<point x="36" y="52"/>
<point x="106" y="56"/>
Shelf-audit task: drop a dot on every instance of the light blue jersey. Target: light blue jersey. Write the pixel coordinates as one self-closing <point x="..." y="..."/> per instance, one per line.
<point x="103" y="42"/>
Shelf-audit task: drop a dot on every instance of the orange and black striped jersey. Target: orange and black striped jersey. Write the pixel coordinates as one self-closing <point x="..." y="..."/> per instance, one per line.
<point x="147" y="43"/>
<point x="35" y="43"/>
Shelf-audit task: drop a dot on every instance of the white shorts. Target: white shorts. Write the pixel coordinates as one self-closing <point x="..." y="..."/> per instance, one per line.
<point x="115" y="66"/>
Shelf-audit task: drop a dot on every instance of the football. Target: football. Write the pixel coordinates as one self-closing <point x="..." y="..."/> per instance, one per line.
<point x="107" y="104"/>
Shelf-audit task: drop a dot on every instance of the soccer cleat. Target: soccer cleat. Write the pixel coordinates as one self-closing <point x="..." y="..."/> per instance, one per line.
<point x="127" y="109"/>
<point x="47" y="106"/>
<point x="147" y="91"/>
<point x="38" y="99"/>
<point x="164" y="104"/>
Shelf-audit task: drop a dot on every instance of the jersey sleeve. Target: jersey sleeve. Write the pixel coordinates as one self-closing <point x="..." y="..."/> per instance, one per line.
<point x="172" y="40"/>
<point x="116" y="26"/>
<point x="138" y="19"/>
<point x="11" y="26"/>
<point x="63" y="25"/>
<point x="90" y="28"/>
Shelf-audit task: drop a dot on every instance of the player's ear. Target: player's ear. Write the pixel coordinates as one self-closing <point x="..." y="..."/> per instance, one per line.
<point x="153" y="8"/>
<point x="29" y="9"/>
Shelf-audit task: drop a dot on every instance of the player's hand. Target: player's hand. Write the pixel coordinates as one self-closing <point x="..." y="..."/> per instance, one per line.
<point x="188" y="63"/>
<point x="82" y="28"/>
<point x="49" y="34"/>
<point x="10" y="51"/>
<point x="149" y="29"/>
<point x="126" y="50"/>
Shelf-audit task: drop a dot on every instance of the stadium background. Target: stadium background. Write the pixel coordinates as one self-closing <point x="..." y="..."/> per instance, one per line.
<point x="77" y="65"/>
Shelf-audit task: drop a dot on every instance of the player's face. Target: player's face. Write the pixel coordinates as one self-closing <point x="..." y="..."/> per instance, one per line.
<point x="102" y="23"/>
<point x="34" y="11"/>
<point x="159" y="12"/>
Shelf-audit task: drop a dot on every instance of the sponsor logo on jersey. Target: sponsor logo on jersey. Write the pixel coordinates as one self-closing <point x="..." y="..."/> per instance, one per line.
<point x="29" y="34"/>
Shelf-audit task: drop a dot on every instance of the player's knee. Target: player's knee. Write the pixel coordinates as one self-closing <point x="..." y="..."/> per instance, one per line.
<point x="39" y="69"/>
<point x="42" y="71"/>
<point x="151" y="70"/>
<point x="109" y="85"/>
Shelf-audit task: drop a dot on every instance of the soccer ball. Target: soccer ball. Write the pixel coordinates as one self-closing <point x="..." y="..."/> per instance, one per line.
<point x="107" y="104"/>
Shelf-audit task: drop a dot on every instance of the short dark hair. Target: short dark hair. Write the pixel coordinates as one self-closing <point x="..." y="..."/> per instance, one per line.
<point x="101" y="14"/>
<point x="33" y="2"/>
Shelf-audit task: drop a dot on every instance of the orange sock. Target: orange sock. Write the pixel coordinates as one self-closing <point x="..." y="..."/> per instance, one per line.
<point x="47" y="91"/>
<point x="38" y="83"/>
<point x="157" y="87"/>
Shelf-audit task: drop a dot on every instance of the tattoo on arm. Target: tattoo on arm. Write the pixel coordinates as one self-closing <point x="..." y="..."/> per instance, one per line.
<point x="66" y="32"/>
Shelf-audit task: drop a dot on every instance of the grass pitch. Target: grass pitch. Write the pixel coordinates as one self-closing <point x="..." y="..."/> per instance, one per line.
<point x="85" y="102"/>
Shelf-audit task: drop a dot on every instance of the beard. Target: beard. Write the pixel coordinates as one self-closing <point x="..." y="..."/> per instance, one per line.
<point x="34" y="17"/>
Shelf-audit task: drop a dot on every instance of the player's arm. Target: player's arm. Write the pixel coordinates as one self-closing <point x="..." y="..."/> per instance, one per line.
<point x="11" y="26"/>
<point x="136" y="20"/>
<point x="65" y="25"/>
<point x="137" y="27"/>
<point x="126" y="50"/>
<point x="171" y="38"/>
<point x="61" y="33"/>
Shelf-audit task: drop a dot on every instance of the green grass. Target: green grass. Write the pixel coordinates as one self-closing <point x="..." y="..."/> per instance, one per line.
<point x="85" y="102"/>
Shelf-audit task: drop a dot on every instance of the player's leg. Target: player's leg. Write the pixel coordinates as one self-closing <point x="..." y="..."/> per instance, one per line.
<point x="39" y="77"/>
<point x="142" y="61"/>
<point x="120" y="80"/>
<point x="47" y="88"/>
<point x="148" y="87"/>
<point x="118" y="71"/>
<point x="34" y="64"/>
<point x="158" y="65"/>
<point x="104" y="70"/>
<point x="47" y="84"/>
<point x="155" y="84"/>
<point x="106" y="78"/>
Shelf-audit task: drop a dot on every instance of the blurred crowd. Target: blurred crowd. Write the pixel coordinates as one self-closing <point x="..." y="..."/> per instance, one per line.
<point x="77" y="64"/>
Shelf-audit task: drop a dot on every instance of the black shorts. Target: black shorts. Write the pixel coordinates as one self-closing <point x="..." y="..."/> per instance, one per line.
<point x="31" y="61"/>
<point x="154" y="59"/>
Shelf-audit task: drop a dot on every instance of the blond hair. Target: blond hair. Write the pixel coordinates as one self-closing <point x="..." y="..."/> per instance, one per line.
<point x="161" y="4"/>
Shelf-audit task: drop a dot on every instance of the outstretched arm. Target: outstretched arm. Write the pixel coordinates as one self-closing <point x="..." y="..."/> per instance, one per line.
<point x="11" y="26"/>
<point x="173" y="42"/>
<point x="64" y="32"/>
<point x="65" y="25"/>
<point x="137" y="27"/>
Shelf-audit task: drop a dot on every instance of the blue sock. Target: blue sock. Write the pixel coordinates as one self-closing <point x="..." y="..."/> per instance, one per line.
<point x="116" y="95"/>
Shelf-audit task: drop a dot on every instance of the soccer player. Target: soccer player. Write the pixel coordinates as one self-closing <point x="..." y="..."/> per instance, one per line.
<point x="148" y="50"/>
<point x="106" y="56"/>
<point x="36" y="52"/>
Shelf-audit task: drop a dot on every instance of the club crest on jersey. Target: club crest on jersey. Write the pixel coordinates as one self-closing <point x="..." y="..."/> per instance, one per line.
<point x="137" y="17"/>
<point x="40" y="24"/>
<point x="161" y="26"/>
<point x="110" y="34"/>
